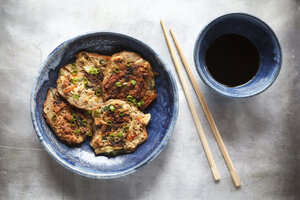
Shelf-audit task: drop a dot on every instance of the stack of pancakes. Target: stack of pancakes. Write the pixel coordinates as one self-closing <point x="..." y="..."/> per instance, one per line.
<point x="102" y="97"/>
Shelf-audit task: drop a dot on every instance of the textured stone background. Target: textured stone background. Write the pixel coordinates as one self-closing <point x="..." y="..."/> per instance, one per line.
<point x="261" y="133"/>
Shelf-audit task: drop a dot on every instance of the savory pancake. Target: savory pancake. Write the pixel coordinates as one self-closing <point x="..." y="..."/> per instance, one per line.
<point x="130" y="78"/>
<point x="69" y="124"/>
<point x="118" y="127"/>
<point x="109" y="89"/>
<point x="80" y="82"/>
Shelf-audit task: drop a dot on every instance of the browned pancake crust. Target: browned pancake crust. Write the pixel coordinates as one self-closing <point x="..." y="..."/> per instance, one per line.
<point x="128" y="74"/>
<point x="118" y="128"/>
<point x="80" y="83"/>
<point x="69" y="124"/>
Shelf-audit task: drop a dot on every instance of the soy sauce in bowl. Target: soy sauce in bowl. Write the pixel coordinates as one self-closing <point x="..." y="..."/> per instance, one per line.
<point x="232" y="60"/>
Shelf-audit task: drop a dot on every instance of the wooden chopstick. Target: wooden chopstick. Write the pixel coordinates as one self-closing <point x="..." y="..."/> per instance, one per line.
<point x="233" y="172"/>
<point x="209" y="155"/>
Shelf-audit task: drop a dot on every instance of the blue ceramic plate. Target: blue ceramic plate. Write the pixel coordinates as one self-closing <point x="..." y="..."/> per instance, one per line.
<point x="81" y="159"/>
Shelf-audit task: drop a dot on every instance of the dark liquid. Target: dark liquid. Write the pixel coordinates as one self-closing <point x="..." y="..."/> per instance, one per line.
<point x="232" y="60"/>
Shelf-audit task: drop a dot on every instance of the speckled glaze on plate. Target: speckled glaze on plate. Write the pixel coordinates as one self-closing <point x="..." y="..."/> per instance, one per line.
<point x="81" y="159"/>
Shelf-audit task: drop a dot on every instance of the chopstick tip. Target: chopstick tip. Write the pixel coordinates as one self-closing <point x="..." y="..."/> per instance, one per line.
<point x="236" y="178"/>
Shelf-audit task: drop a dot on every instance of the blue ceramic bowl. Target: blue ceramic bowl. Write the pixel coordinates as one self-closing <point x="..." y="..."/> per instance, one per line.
<point x="81" y="159"/>
<point x="260" y="34"/>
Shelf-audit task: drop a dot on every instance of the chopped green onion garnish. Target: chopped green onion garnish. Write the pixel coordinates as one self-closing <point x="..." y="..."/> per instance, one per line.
<point x="85" y="81"/>
<point x="54" y="117"/>
<point x="128" y="63"/>
<point x="134" y="101"/>
<point x="75" y="71"/>
<point x="119" y="84"/>
<point x="62" y="72"/>
<point x="94" y="71"/>
<point x="84" y="122"/>
<point x="74" y="117"/>
<point x="112" y="108"/>
<point x="98" y="92"/>
<point x="109" y="123"/>
<point x="112" y="136"/>
<point x="74" y="80"/>
<point x="126" y="128"/>
<point x="89" y="112"/>
<point x="117" y="70"/>
<point x="98" y="70"/>
<point x="139" y="104"/>
<point x="77" y="131"/>
<point x="133" y="82"/>
<point x="120" y="134"/>
<point x="73" y="65"/>
<point x="75" y="96"/>
<point x="73" y="123"/>
<point x="129" y="98"/>
<point x="121" y="113"/>
<point x="102" y="62"/>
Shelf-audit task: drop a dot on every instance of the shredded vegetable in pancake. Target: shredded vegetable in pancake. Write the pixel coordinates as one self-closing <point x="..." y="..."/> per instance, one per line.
<point x="118" y="127"/>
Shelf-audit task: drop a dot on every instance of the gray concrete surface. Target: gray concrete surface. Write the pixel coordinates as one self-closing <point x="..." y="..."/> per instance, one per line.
<point x="261" y="133"/>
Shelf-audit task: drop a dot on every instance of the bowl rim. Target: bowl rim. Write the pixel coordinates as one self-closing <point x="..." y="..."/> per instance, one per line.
<point x="197" y="63"/>
<point x="105" y="175"/>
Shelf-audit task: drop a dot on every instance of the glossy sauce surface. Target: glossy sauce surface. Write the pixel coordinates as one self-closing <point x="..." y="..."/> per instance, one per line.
<point x="232" y="60"/>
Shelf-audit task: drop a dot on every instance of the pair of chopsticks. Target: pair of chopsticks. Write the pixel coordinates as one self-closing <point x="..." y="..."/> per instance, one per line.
<point x="209" y="117"/>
